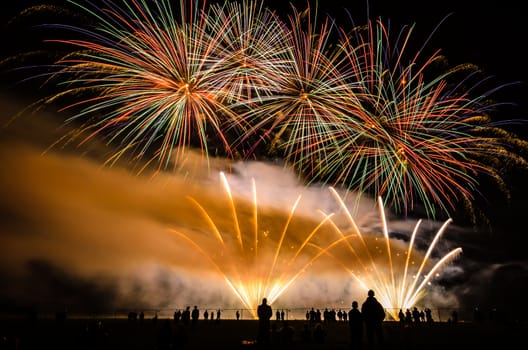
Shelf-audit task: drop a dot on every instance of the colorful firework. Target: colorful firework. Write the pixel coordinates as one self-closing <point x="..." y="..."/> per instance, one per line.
<point x="252" y="49"/>
<point x="234" y="80"/>
<point x="308" y="104"/>
<point x="418" y="137"/>
<point x="163" y="81"/>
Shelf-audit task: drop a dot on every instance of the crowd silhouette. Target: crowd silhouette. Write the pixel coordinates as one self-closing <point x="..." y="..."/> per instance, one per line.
<point x="366" y="325"/>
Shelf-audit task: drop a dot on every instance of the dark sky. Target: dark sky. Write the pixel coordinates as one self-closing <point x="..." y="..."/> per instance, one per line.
<point x="489" y="34"/>
<point x="38" y="192"/>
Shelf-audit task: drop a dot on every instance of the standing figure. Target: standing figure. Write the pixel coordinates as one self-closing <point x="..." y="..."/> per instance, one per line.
<point x="401" y="317"/>
<point x="355" y="325"/>
<point x="264" y="313"/>
<point x="186" y="316"/>
<point x="195" y="314"/>
<point x="373" y="316"/>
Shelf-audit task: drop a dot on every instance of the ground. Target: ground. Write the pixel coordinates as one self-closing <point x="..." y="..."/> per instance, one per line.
<point x="116" y="334"/>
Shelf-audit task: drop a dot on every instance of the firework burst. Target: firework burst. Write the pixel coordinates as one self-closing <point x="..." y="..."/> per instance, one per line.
<point x="306" y="105"/>
<point x="164" y="80"/>
<point x="420" y="138"/>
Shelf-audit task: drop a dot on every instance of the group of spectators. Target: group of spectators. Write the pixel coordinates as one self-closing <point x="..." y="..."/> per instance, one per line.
<point x="367" y="320"/>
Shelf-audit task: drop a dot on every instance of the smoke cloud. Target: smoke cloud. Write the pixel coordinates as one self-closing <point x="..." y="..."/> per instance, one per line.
<point x="78" y="234"/>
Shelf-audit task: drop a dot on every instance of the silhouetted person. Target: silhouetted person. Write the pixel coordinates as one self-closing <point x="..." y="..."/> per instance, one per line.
<point x="186" y="316"/>
<point x="401" y="317"/>
<point x="373" y="316"/>
<point x="416" y="316"/>
<point x="238" y="315"/>
<point x="313" y="315"/>
<point x="428" y="315"/>
<point x="408" y="317"/>
<point x="177" y="316"/>
<point x="195" y="315"/>
<point x="264" y="313"/>
<point x="355" y="325"/>
<point x="326" y="315"/>
<point x="218" y="314"/>
<point x="132" y="316"/>
<point x="282" y="315"/>
<point x="206" y="315"/>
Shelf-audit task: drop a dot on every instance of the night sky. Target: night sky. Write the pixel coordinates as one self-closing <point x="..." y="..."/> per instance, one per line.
<point x="116" y="216"/>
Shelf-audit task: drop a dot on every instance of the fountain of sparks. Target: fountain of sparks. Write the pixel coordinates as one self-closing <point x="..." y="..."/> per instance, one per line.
<point x="399" y="282"/>
<point x="261" y="253"/>
<point x="256" y="258"/>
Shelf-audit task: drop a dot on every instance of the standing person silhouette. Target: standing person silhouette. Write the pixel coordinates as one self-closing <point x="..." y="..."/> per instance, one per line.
<point x="264" y="313"/>
<point x="355" y="324"/>
<point x="373" y="316"/>
<point x="195" y="314"/>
